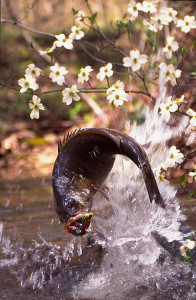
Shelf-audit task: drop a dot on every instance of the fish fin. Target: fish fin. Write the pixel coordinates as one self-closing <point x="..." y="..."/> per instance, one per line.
<point x="59" y="146"/>
<point x="67" y="138"/>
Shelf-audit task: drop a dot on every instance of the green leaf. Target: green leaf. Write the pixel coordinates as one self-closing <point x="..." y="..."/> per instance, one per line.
<point x="191" y="194"/>
<point x="139" y="117"/>
<point x="189" y="238"/>
<point x="153" y="43"/>
<point x="182" y="51"/>
<point x="188" y="253"/>
<point x="120" y="24"/>
<point x="74" y="11"/>
<point x="192" y="46"/>
<point x="184" y="259"/>
<point x="181" y="179"/>
<point x="92" y="18"/>
<point x="151" y="40"/>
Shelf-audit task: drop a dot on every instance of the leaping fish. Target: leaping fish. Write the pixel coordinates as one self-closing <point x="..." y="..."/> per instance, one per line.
<point x="85" y="158"/>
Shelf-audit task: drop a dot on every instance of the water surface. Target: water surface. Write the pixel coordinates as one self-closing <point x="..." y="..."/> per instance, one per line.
<point x="119" y="256"/>
<point x="131" y="250"/>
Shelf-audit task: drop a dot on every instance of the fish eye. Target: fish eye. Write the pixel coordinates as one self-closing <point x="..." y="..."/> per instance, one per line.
<point x="72" y="203"/>
<point x="73" y="200"/>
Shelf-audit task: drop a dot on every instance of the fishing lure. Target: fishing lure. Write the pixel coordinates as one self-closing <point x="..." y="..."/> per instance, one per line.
<point x="85" y="158"/>
<point x="87" y="216"/>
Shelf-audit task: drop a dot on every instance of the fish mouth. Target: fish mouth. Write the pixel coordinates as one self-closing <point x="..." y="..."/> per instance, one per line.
<point x="78" y="223"/>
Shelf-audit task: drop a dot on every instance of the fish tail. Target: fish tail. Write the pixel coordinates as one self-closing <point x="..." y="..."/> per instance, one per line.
<point x="132" y="150"/>
<point x="151" y="184"/>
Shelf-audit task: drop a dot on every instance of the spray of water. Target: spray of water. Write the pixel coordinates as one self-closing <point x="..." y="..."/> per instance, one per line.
<point x="133" y="249"/>
<point x="139" y="234"/>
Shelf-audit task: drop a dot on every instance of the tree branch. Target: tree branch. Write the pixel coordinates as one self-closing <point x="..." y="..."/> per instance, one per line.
<point x="94" y="106"/>
<point x="16" y="23"/>
<point x="85" y="91"/>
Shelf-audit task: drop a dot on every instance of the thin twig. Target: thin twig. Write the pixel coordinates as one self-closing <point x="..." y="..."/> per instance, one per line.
<point x="185" y="190"/>
<point x="189" y="154"/>
<point x="91" y="55"/>
<point x="96" y="58"/>
<point x="103" y="34"/>
<point x="91" y="44"/>
<point x="86" y="91"/>
<point x="143" y="78"/>
<point x="13" y="88"/>
<point x="16" y="23"/>
<point x="183" y="113"/>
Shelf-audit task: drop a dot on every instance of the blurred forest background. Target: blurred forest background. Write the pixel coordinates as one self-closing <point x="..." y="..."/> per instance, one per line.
<point x="29" y="147"/>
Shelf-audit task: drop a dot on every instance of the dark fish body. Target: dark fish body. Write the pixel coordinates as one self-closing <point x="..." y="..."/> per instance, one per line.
<point x="84" y="161"/>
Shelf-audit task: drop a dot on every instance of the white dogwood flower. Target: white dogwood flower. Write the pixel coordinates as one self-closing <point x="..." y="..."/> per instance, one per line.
<point x="70" y="94"/>
<point x="33" y="71"/>
<point x="28" y="82"/>
<point x="169" y="14"/>
<point x="192" y="113"/>
<point x="80" y="15"/>
<point x="186" y="246"/>
<point x="156" y="22"/>
<point x="187" y="24"/>
<point x="117" y="97"/>
<point x="135" y="61"/>
<point x="63" y="41"/>
<point x="167" y="108"/>
<point x="169" y="73"/>
<point x="119" y="85"/>
<point x="48" y="50"/>
<point x="179" y="100"/>
<point x="105" y="71"/>
<point x="57" y="74"/>
<point x="35" y="106"/>
<point x="190" y="244"/>
<point x="175" y="156"/>
<point x="132" y="9"/>
<point x="84" y="74"/>
<point x="146" y="6"/>
<point x="77" y="33"/>
<point x="159" y="20"/>
<point x="170" y="47"/>
<point x="183" y="250"/>
<point x="151" y="25"/>
<point x="161" y="175"/>
<point x="192" y="176"/>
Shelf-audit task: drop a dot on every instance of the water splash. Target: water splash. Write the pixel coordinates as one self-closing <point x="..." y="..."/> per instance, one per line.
<point x="132" y="250"/>
<point x="143" y="258"/>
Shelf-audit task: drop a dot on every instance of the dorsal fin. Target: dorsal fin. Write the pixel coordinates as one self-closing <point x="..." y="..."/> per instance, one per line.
<point x="65" y="140"/>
